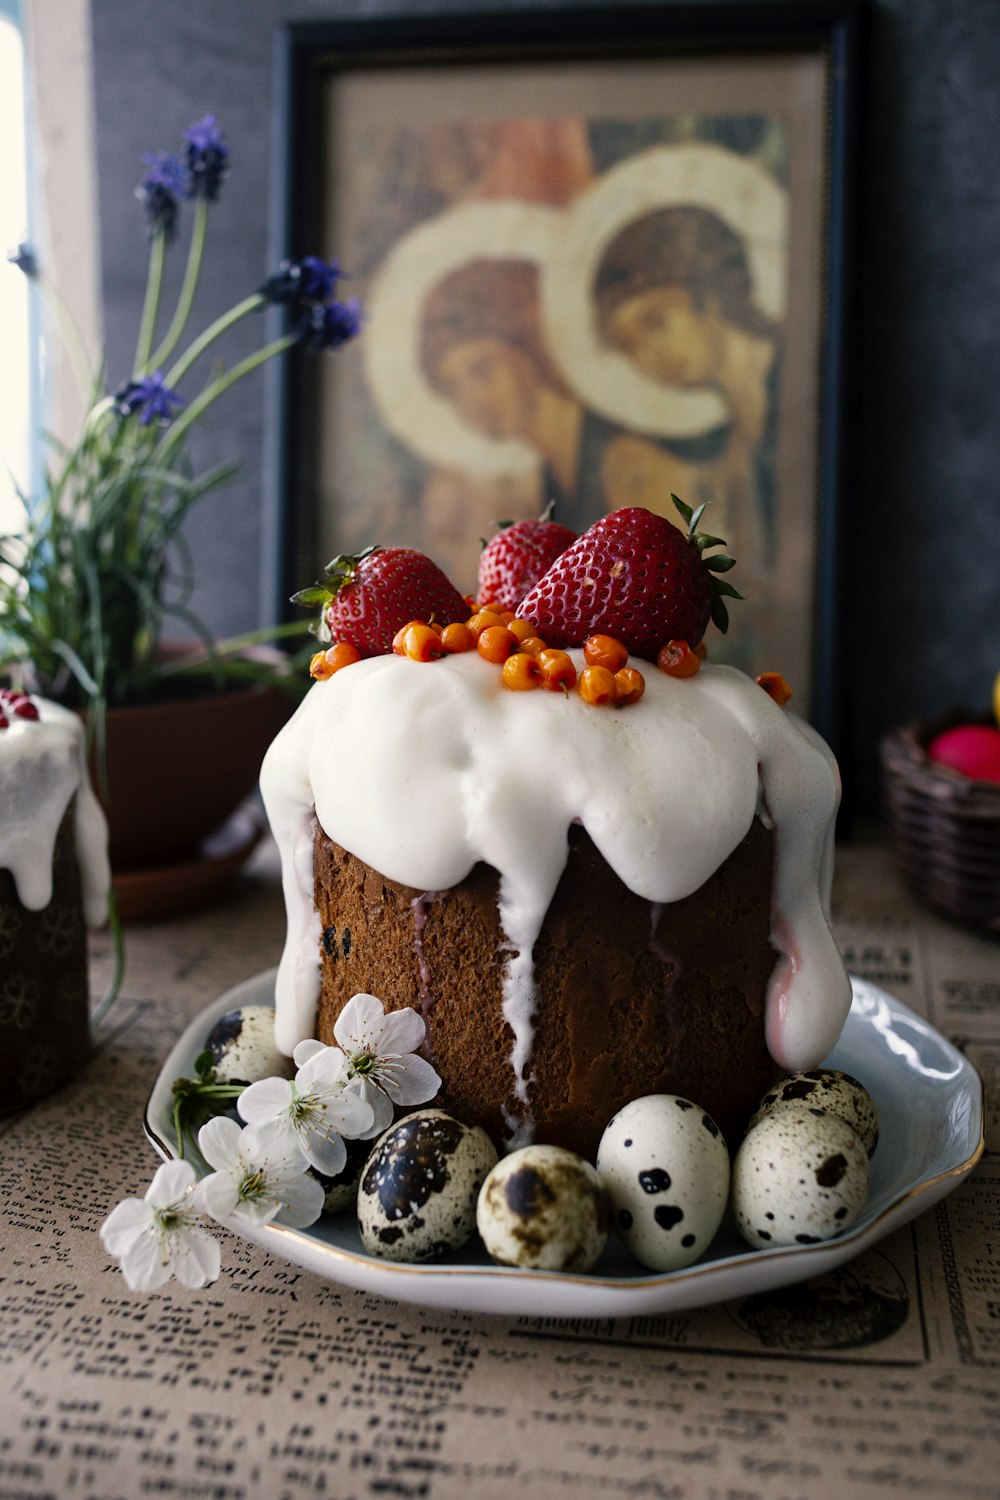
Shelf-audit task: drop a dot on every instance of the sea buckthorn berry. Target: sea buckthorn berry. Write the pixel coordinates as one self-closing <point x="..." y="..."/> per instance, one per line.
<point x="775" y="686"/>
<point x="521" y="672"/>
<point x="701" y="650"/>
<point x="678" y="660"/>
<point x="496" y="643"/>
<point x="398" y="640"/>
<point x="523" y="629"/>
<point x="604" y="651"/>
<point x="483" y="619"/>
<point x="534" y="645"/>
<point x="596" y="686"/>
<point x="629" y="686"/>
<point x="422" y="643"/>
<point x="456" y="638"/>
<point x="558" y="671"/>
<point x="319" y="667"/>
<point x="341" y="654"/>
<point x="506" y="615"/>
<point x="436" y="626"/>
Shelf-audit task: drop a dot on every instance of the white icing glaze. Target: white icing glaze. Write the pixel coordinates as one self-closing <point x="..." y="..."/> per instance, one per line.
<point x="42" y="764"/>
<point x="421" y="770"/>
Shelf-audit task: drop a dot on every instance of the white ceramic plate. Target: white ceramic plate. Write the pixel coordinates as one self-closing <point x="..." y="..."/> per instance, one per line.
<point x="930" y="1103"/>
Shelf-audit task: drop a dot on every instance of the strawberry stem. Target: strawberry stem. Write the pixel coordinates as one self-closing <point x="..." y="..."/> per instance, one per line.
<point x="720" y="563"/>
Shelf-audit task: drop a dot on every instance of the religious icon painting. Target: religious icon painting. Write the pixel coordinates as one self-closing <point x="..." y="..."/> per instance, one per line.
<point x="590" y="281"/>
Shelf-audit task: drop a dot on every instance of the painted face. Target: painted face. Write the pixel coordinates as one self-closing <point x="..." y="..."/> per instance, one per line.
<point x="669" y="339"/>
<point x="491" y="384"/>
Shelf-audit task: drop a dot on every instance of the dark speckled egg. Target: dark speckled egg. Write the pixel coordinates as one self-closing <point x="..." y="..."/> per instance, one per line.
<point x="825" y="1088"/>
<point x="418" y="1191"/>
<point x="242" y="1047"/>
<point x="545" y="1208"/>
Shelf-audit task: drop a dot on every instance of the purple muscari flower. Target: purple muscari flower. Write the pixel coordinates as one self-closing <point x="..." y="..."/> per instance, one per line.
<point x="161" y="189"/>
<point x="330" y="326"/>
<point x="148" y="397"/>
<point x="25" y="259"/>
<point x="207" y="159"/>
<point x="300" y="281"/>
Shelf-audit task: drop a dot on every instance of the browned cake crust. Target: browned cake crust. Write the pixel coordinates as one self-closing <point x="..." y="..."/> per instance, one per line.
<point x="631" y="998"/>
<point x="44" y="997"/>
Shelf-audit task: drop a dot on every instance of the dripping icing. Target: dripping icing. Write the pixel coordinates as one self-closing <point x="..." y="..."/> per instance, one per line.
<point x="415" y="769"/>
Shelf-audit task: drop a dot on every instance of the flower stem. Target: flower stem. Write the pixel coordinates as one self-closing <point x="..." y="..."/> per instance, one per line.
<point x="214" y="389"/>
<point x="76" y="350"/>
<point x="154" y="281"/>
<point x="212" y="332"/>
<point x="191" y="273"/>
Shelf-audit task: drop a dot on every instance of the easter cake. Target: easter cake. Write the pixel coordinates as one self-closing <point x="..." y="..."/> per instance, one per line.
<point x="586" y="902"/>
<point x="54" y="880"/>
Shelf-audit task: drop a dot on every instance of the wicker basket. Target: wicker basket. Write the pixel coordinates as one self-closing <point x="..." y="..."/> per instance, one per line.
<point x="945" y="828"/>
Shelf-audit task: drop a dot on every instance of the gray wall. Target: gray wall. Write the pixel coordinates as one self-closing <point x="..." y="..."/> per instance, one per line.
<point x="922" y="519"/>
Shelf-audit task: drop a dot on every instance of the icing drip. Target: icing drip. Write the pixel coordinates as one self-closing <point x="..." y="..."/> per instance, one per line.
<point x="419" y="906"/>
<point x="417" y="769"/>
<point x="42" y="767"/>
<point x="668" y="959"/>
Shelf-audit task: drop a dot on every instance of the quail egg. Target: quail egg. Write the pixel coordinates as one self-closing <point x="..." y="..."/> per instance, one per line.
<point x="665" y="1164"/>
<point x="418" y="1190"/>
<point x="825" y="1088"/>
<point x="342" y="1191"/>
<point x="242" y="1047"/>
<point x="801" y="1176"/>
<point x="546" y="1208"/>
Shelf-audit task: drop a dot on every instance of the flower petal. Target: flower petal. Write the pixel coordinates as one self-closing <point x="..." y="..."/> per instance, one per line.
<point x="381" y="1105"/>
<point x="146" y="1264"/>
<point x="124" y="1225"/>
<point x="404" y="1031"/>
<point x="196" y="1258"/>
<point x="219" y="1143"/>
<point x="326" y="1069"/>
<point x="302" y="1202"/>
<point x="304" y="1051"/>
<point x="326" y="1152"/>
<point x="264" y="1100"/>
<point x="217" y="1195"/>
<point x="411" y="1080"/>
<point x="359" y="1025"/>
<point x="171" y="1182"/>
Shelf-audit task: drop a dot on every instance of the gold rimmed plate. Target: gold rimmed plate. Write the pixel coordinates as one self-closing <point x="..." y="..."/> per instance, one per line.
<point x="930" y="1103"/>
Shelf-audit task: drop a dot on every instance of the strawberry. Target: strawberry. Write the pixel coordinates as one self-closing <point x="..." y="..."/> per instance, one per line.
<point x="634" y="576"/>
<point x="368" y="597"/>
<point x="518" y="555"/>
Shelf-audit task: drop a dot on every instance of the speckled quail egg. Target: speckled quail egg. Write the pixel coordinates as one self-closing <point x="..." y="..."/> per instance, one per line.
<point x="664" y="1162"/>
<point x="801" y="1176"/>
<point x="418" y="1191"/>
<point x="546" y="1208"/>
<point x="825" y="1088"/>
<point x="342" y="1191"/>
<point x="242" y="1047"/>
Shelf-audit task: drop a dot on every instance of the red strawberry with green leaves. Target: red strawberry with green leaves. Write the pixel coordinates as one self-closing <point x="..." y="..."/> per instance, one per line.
<point x="637" y="577"/>
<point x="368" y="597"/>
<point x="518" y="556"/>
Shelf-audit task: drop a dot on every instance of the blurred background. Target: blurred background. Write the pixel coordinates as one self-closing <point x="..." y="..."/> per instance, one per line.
<point x="918" y="589"/>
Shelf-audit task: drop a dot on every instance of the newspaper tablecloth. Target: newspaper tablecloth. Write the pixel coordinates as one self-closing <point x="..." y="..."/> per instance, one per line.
<point x="274" y="1383"/>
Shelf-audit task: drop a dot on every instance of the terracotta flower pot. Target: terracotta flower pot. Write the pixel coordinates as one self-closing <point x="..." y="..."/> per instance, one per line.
<point x="177" y="771"/>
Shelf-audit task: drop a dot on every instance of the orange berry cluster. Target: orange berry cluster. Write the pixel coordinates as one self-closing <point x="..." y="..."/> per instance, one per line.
<point x="325" y="663"/>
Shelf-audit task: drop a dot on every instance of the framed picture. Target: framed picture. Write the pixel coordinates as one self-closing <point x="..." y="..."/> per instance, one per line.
<point x="601" y="255"/>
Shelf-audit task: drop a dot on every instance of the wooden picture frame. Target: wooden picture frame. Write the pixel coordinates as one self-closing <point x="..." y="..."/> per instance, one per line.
<point x="603" y="256"/>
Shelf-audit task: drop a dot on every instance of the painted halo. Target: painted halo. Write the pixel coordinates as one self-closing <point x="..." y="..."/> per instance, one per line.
<point x="738" y="191"/>
<point x="407" y="403"/>
<point x="567" y="245"/>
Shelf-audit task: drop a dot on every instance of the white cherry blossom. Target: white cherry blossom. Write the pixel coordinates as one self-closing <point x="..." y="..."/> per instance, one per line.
<point x="383" y="1068"/>
<point x="313" y="1112"/>
<point x="259" y="1176"/>
<point x="159" y="1236"/>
